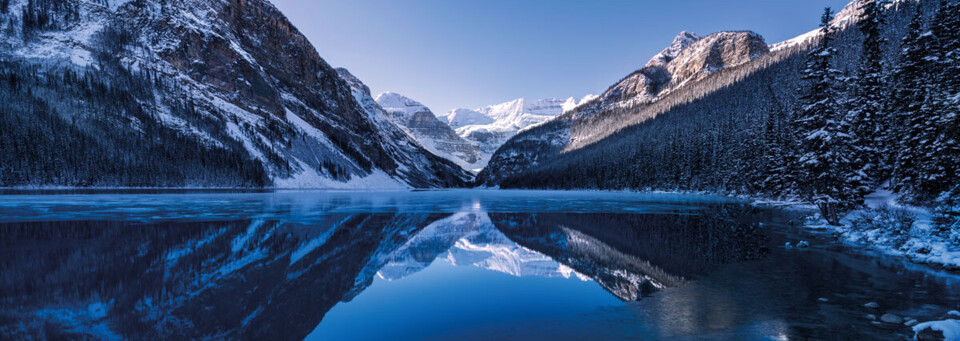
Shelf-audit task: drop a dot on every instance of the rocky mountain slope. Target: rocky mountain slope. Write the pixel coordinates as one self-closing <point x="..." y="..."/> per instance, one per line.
<point x="433" y="134"/>
<point x="188" y="93"/>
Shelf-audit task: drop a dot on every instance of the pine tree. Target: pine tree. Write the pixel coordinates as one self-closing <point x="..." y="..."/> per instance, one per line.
<point x="946" y="217"/>
<point x="869" y="121"/>
<point x="942" y="173"/>
<point x="823" y="154"/>
<point x="912" y="108"/>
<point x="777" y="178"/>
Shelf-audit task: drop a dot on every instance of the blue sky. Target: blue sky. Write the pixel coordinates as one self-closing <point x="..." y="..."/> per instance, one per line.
<point x="471" y="53"/>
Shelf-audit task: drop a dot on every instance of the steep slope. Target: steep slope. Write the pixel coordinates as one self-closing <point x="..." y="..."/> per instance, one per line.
<point x="189" y="93"/>
<point x="435" y="135"/>
<point x="677" y="75"/>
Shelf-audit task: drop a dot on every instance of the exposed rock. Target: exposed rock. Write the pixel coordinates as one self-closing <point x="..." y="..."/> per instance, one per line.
<point x="929" y="334"/>
<point x="434" y="134"/>
<point x="872" y="305"/>
<point x="891" y="318"/>
<point x="714" y="53"/>
<point x="688" y="59"/>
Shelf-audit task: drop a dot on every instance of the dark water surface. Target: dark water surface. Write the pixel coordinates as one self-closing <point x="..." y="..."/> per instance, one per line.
<point x="452" y="265"/>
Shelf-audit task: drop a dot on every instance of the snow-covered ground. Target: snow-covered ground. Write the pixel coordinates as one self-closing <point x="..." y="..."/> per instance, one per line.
<point x="950" y="328"/>
<point x="891" y="228"/>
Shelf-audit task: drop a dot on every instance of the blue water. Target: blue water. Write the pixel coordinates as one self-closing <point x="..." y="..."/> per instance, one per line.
<point x="447" y="265"/>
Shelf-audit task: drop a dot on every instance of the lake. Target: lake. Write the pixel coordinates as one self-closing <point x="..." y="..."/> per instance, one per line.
<point x="440" y="265"/>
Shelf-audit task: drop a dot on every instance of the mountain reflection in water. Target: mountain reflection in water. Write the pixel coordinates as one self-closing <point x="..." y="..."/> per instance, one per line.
<point x="276" y="278"/>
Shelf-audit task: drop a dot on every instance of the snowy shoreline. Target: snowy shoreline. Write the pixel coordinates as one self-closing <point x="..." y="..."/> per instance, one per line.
<point x="894" y="229"/>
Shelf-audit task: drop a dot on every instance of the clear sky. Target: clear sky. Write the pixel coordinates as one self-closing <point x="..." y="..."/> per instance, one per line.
<point x="471" y="53"/>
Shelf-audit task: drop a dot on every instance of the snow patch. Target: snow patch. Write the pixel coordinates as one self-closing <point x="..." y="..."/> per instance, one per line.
<point x="949" y="328"/>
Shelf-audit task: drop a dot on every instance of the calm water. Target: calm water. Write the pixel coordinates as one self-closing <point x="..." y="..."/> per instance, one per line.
<point x="461" y="265"/>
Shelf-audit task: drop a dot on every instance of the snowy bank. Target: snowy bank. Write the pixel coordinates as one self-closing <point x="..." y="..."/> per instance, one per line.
<point x="948" y="330"/>
<point x="901" y="230"/>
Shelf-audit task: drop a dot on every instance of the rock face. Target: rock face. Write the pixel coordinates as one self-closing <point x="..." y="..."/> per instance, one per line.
<point x="433" y="134"/>
<point x="690" y="59"/>
<point x="253" y="85"/>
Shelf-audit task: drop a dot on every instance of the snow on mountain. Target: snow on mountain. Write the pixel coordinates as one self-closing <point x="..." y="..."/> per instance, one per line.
<point x="846" y="17"/>
<point x="399" y="106"/>
<point x="467" y="117"/>
<point x="489" y="127"/>
<point x="234" y="77"/>
<point x="680" y="42"/>
<point x="433" y="134"/>
<point x="689" y="59"/>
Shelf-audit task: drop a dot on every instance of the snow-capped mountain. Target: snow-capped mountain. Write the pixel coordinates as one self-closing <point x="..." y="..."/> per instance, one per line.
<point x="191" y="93"/>
<point x="489" y="127"/>
<point x="433" y="134"/>
<point x="688" y="60"/>
<point x="717" y="115"/>
<point x="846" y="17"/>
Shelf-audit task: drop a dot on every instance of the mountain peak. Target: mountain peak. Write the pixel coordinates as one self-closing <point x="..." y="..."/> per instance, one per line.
<point x="680" y="42"/>
<point x="716" y="52"/>
<point x="352" y="80"/>
<point x="401" y="107"/>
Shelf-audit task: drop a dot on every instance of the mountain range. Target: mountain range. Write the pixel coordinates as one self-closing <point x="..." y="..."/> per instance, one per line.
<point x="228" y="93"/>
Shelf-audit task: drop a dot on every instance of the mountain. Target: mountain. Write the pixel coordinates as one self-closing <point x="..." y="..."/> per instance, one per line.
<point x="435" y="135"/>
<point x="489" y="127"/>
<point x="688" y="60"/>
<point x="717" y="117"/>
<point x="188" y="93"/>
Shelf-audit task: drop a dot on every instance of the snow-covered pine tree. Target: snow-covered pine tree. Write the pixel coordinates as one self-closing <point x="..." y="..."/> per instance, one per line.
<point x="942" y="174"/>
<point x="946" y="217"/>
<point x="823" y="153"/>
<point x="869" y="121"/>
<point x="777" y="178"/>
<point x="912" y="108"/>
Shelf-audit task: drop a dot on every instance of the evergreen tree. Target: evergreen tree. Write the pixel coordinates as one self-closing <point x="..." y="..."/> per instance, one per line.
<point x="776" y="153"/>
<point x="942" y="172"/>
<point x="869" y="122"/>
<point x="823" y="154"/>
<point x="912" y="107"/>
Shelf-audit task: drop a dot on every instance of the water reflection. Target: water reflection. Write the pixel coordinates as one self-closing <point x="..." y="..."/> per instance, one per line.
<point x="268" y="278"/>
